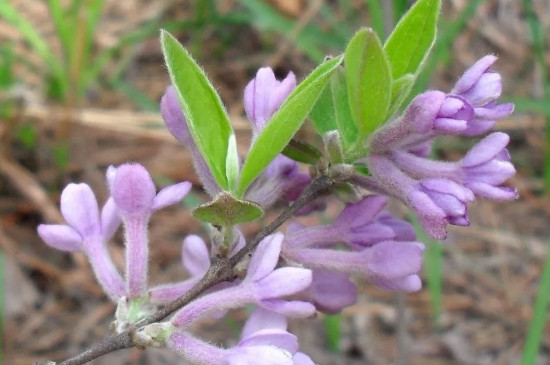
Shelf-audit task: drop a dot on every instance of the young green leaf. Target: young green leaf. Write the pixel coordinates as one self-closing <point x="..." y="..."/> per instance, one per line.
<point x="302" y="152"/>
<point x="225" y="210"/>
<point x="323" y="115"/>
<point x="368" y="81"/>
<point x="400" y="89"/>
<point x="413" y="37"/>
<point x="342" y="111"/>
<point x="232" y="163"/>
<point x="285" y="122"/>
<point x="202" y="107"/>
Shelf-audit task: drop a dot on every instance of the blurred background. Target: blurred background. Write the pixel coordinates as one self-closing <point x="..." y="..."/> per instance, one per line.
<point x="80" y="82"/>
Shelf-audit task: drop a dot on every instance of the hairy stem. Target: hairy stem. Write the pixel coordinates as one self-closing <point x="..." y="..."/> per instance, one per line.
<point x="220" y="270"/>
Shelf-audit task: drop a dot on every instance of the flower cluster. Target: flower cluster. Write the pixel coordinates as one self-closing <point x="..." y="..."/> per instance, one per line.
<point x="437" y="191"/>
<point x="308" y="269"/>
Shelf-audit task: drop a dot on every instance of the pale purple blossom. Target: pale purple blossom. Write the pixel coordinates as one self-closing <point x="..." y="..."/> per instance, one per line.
<point x="87" y="231"/>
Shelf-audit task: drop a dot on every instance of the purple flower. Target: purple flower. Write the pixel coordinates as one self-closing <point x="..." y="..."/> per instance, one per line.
<point x="133" y="192"/>
<point x="263" y="285"/>
<point x="264" y="95"/>
<point x="359" y="225"/>
<point x="484" y="168"/>
<point x="177" y="125"/>
<point x="282" y="178"/>
<point x="482" y="87"/>
<point x="87" y="232"/>
<point x="264" y="340"/>
<point x="389" y="264"/>
<point x="436" y="201"/>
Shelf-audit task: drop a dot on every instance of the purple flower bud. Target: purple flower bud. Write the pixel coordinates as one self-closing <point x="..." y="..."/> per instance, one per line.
<point x="177" y="125"/>
<point x="264" y="95"/>
<point x="482" y="87"/>
<point x="133" y="190"/>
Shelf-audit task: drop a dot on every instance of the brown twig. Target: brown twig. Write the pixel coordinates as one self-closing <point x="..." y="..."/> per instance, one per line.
<point x="23" y="181"/>
<point x="220" y="270"/>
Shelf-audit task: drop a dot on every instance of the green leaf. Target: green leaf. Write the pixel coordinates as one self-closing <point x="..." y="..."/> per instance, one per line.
<point x="285" y="122"/>
<point x="368" y="81"/>
<point x="232" y="163"/>
<point x="202" y="107"/>
<point x="302" y="152"/>
<point x="413" y="37"/>
<point x="323" y="115"/>
<point x="225" y="210"/>
<point x="342" y="111"/>
<point x="400" y="89"/>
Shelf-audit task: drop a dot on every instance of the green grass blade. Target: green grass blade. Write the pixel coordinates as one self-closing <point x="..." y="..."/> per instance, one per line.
<point x="333" y="328"/>
<point x="311" y="40"/>
<point x="377" y="21"/>
<point x="12" y="16"/>
<point x="399" y="9"/>
<point x="538" y="320"/>
<point x="537" y="38"/>
<point x="523" y="105"/>
<point x="59" y="18"/>
<point x="139" y="98"/>
<point x="92" y="16"/>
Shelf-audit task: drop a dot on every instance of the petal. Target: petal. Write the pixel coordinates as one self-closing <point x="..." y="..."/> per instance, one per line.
<point x="302" y="359"/>
<point x="265" y="257"/>
<point x="255" y="355"/>
<point x="487" y="89"/>
<point x="494" y="112"/>
<point x="281" y="92"/>
<point x="409" y="283"/>
<point x="361" y="213"/>
<point x="472" y="75"/>
<point x="80" y="210"/>
<point x="332" y="291"/>
<point x="195" y="256"/>
<point x="110" y="175"/>
<point x="497" y="193"/>
<point x="133" y="189"/>
<point x="171" y="195"/>
<point x="261" y="319"/>
<point x="486" y="149"/>
<point x="295" y="308"/>
<point x="61" y="237"/>
<point x="173" y="117"/>
<point x="432" y="218"/>
<point x="272" y="337"/>
<point x="282" y="282"/>
<point x="110" y="219"/>
<point x="392" y="259"/>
